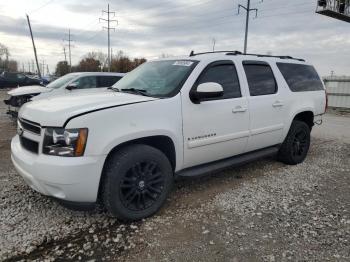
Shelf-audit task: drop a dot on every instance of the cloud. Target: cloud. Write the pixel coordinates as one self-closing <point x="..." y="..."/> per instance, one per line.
<point x="153" y="27"/>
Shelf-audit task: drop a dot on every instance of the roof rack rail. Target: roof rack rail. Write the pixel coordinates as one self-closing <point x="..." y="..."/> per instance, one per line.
<point x="276" y="56"/>
<point x="240" y="53"/>
<point x="214" y="52"/>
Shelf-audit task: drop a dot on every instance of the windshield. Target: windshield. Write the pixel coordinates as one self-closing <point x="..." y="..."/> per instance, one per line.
<point x="62" y="81"/>
<point x="158" y="78"/>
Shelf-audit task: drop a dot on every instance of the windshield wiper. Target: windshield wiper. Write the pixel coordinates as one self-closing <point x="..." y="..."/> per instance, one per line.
<point x="113" y="88"/>
<point x="142" y="92"/>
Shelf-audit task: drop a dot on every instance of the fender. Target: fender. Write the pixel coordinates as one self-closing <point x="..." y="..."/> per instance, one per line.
<point x="150" y="133"/>
<point x="293" y="115"/>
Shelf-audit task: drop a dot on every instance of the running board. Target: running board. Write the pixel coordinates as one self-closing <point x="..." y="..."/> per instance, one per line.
<point x="228" y="162"/>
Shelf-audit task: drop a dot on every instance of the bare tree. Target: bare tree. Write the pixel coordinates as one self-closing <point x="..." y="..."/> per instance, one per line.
<point x="4" y="56"/>
<point x="99" y="56"/>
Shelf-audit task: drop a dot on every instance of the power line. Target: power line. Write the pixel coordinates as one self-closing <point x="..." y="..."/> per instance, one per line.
<point x="108" y="28"/>
<point x="158" y="7"/>
<point x="227" y="10"/>
<point x="42" y="6"/>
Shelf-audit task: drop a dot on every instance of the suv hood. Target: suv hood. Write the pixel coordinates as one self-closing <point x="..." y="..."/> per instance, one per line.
<point x="56" y="110"/>
<point x="28" y="90"/>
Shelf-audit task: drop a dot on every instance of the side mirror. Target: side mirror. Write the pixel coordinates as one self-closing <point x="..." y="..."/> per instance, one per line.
<point x="72" y="86"/>
<point x="206" y="91"/>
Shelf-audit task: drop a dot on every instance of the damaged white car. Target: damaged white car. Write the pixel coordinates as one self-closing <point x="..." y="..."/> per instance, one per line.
<point x="70" y="83"/>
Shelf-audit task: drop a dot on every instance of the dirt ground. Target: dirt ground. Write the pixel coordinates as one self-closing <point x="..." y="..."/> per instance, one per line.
<point x="264" y="211"/>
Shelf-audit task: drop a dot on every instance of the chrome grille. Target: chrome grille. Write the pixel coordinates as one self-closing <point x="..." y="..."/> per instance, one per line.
<point x="30" y="126"/>
<point x="29" y="145"/>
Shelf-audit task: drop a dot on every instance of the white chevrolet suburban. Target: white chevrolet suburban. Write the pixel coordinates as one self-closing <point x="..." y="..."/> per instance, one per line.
<point x="172" y="117"/>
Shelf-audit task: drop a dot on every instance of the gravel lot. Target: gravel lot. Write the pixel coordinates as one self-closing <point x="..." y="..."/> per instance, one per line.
<point x="263" y="211"/>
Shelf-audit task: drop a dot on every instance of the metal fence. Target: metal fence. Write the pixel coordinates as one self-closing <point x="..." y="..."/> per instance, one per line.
<point x="338" y="89"/>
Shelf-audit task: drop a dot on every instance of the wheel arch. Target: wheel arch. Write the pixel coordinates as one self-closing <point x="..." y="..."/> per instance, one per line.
<point x="162" y="142"/>
<point x="306" y="116"/>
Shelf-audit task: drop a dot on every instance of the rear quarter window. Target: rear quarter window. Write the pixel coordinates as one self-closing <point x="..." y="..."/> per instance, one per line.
<point x="300" y="78"/>
<point x="108" y="81"/>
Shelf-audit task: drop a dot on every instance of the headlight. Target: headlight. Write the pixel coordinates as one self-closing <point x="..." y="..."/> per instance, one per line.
<point x="65" y="142"/>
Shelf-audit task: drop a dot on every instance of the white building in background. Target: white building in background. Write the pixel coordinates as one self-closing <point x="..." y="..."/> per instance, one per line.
<point x="338" y="89"/>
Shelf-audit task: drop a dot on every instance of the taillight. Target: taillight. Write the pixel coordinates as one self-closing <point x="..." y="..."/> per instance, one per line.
<point x="325" y="109"/>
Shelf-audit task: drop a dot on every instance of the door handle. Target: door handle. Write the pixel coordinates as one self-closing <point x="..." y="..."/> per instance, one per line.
<point x="278" y="104"/>
<point x="239" y="109"/>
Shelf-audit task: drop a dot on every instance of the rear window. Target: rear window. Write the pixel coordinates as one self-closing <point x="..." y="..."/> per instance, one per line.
<point x="107" y="81"/>
<point x="300" y="78"/>
<point x="261" y="80"/>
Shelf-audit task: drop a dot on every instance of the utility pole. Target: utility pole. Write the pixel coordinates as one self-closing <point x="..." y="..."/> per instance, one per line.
<point x="65" y="55"/>
<point x="108" y="28"/>
<point x="214" y="43"/>
<point x="36" y="57"/>
<point x="69" y="40"/>
<point x="248" y="10"/>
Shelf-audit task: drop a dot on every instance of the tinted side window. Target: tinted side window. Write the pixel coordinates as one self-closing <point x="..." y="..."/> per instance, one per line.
<point x="11" y="76"/>
<point x="261" y="80"/>
<point x="225" y="75"/>
<point x="86" y="82"/>
<point x="107" y="81"/>
<point x="300" y="78"/>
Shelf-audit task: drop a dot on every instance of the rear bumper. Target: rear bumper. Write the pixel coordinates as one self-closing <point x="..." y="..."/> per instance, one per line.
<point x="68" y="179"/>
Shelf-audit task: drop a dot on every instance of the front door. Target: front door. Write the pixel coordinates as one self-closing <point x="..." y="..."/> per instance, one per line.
<point x="216" y="128"/>
<point x="85" y="84"/>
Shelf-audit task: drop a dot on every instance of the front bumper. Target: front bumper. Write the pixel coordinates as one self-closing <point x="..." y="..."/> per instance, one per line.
<point x="12" y="111"/>
<point x="12" y="107"/>
<point x="66" y="178"/>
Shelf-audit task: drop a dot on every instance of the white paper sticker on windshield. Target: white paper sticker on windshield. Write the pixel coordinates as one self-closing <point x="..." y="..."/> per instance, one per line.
<point x="183" y="63"/>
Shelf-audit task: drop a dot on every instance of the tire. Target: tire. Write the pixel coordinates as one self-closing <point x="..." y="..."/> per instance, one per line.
<point x="296" y="145"/>
<point x="137" y="181"/>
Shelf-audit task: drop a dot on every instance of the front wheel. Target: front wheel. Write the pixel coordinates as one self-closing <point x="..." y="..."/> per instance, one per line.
<point x="296" y="145"/>
<point x="137" y="182"/>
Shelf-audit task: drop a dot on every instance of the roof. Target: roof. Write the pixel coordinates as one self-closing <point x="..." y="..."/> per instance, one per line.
<point x="98" y="74"/>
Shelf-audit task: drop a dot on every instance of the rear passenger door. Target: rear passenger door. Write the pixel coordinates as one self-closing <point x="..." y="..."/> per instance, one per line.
<point x="218" y="127"/>
<point x="266" y="104"/>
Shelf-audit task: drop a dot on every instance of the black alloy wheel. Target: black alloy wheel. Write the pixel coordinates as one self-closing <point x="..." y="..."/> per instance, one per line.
<point x="295" y="147"/>
<point x="300" y="143"/>
<point x="141" y="186"/>
<point x="136" y="182"/>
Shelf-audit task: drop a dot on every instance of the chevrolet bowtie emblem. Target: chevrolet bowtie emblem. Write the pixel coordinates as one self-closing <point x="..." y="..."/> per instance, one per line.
<point x="20" y="129"/>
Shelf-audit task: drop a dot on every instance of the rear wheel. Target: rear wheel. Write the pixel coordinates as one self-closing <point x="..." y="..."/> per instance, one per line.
<point x="296" y="145"/>
<point x="137" y="182"/>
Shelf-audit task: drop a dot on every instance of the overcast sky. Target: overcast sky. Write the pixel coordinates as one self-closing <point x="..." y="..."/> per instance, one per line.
<point x="150" y="28"/>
